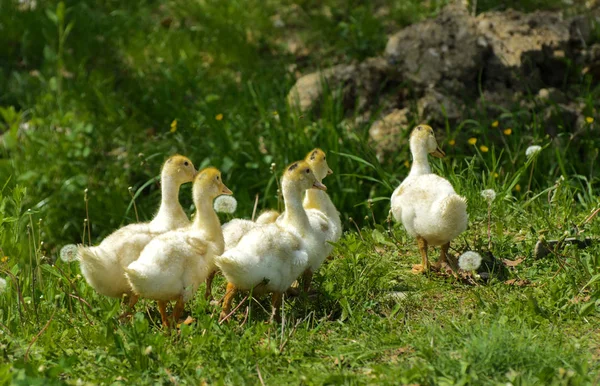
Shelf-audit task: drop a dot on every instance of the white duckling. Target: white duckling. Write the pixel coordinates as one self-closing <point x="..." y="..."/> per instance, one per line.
<point x="323" y="216"/>
<point x="427" y="204"/>
<point x="270" y="257"/>
<point x="172" y="266"/>
<point x="102" y="265"/>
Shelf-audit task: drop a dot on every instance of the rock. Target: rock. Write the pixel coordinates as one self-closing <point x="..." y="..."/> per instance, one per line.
<point x="445" y="52"/>
<point x="435" y="108"/>
<point x="309" y="88"/>
<point x="523" y="49"/>
<point x="386" y="133"/>
<point x="358" y="83"/>
<point x="551" y="95"/>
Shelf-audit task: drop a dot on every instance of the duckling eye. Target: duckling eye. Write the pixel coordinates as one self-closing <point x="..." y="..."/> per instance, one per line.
<point x="307" y="171"/>
<point x="217" y="178"/>
<point x="186" y="163"/>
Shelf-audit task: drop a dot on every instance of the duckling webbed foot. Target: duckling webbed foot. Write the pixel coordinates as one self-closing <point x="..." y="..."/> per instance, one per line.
<point x="424" y="266"/>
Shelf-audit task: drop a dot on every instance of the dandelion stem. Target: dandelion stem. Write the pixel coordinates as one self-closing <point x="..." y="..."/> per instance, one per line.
<point x="489" y="225"/>
<point x="530" y="176"/>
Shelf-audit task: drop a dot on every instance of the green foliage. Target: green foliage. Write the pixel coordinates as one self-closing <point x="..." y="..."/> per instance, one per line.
<point x="96" y="94"/>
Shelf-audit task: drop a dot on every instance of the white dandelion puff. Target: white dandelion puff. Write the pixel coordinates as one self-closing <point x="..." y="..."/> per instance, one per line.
<point x="488" y="194"/>
<point x="3" y="285"/>
<point x="225" y="204"/>
<point x="68" y="253"/>
<point x="469" y="261"/>
<point x="532" y="150"/>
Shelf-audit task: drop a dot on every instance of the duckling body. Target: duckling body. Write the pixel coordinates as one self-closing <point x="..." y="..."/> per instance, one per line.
<point x="103" y="265"/>
<point x="173" y="265"/>
<point x="271" y="256"/>
<point x="427" y="204"/>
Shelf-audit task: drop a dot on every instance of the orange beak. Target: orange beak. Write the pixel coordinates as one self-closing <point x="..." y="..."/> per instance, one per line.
<point x="329" y="172"/>
<point x="438" y="153"/>
<point x="319" y="185"/>
<point x="225" y="190"/>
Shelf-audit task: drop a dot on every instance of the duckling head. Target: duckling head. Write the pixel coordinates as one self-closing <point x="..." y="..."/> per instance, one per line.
<point x="179" y="168"/>
<point x="301" y="176"/>
<point x="318" y="163"/>
<point x="209" y="183"/>
<point x="423" y="138"/>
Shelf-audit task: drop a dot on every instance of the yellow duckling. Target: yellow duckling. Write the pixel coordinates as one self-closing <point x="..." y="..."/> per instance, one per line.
<point x="271" y="256"/>
<point x="102" y="265"/>
<point x="172" y="265"/>
<point x="427" y="204"/>
<point x="323" y="216"/>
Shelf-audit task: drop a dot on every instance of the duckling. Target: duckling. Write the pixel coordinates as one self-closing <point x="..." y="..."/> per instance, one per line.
<point x="426" y="203"/>
<point x="271" y="256"/>
<point x="323" y="216"/>
<point x="172" y="265"/>
<point x="102" y="265"/>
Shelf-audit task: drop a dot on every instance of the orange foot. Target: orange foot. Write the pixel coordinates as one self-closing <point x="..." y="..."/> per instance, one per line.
<point x="418" y="269"/>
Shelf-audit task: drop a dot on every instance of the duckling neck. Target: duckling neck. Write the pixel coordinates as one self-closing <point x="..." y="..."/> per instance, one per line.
<point x="207" y="221"/>
<point x="317" y="199"/>
<point x="169" y="202"/>
<point x="420" y="164"/>
<point x="294" y="215"/>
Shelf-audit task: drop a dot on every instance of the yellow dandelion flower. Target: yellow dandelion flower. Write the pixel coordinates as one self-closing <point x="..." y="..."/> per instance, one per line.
<point x="589" y="120"/>
<point x="407" y="164"/>
<point x="495" y="124"/>
<point x="496" y="175"/>
<point x="5" y="259"/>
<point x="484" y="149"/>
<point x="518" y="188"/>
<point x="452" y="142"/>
<point x="472" y="141"/>
<point x="173" y="126"/>
<point x="508" y="131"/>
<point x="219" y="117"/>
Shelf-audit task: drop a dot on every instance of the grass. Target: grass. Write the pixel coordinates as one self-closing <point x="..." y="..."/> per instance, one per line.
<point x="97" y="94"/>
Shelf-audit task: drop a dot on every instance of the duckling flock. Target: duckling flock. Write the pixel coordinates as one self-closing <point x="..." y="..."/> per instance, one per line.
<point x="169" y="257"/>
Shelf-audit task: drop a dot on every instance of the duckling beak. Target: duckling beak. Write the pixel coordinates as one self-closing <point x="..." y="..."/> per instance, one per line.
<point x="319" y="185"/>
<point x="329" y="172"/>
<point x="438" y="153"/>
<point x="225" y="190"/>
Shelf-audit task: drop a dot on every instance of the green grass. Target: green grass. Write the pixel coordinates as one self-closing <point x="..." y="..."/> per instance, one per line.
<point x="90" y="93"/>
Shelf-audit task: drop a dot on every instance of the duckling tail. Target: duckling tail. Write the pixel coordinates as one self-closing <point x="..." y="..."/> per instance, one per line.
<point x="99" y="269"/>
<point x="230" y="266"/>
<point x="454" y="212"/>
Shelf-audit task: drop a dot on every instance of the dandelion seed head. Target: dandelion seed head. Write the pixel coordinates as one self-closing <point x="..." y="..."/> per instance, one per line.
<point x="469" y="261"/>
<point x="68" y="253"/>
<point x="532" y="150"/>
<point x="3" y="285"/>
<point x="225" y="204"/>
<point x="488" y="194"/>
